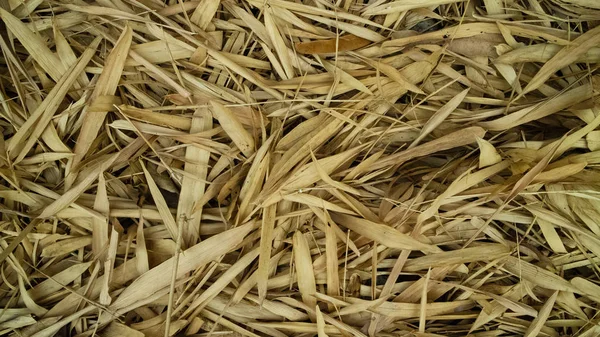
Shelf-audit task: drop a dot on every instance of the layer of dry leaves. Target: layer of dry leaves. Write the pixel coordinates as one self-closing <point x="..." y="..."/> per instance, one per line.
<point x="300" y="168"/>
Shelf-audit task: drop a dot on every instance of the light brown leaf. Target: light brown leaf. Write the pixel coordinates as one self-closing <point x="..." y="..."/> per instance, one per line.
<point x="344" y="43"/>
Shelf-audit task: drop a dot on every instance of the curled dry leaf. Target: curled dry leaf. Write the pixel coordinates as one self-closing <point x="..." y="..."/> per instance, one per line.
<point x="487" y="153"/>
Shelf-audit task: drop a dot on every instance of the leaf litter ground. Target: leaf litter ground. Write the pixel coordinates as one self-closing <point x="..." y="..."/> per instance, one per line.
<point x="300" y="168"/>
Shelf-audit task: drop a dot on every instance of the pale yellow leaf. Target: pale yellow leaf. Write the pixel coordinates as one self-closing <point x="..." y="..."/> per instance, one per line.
<point x="488" y="155"/>
<point x="234" y="129"/>
<point x="304" y="270"/>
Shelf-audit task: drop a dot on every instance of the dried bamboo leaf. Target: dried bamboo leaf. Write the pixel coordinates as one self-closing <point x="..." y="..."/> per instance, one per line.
<point x="341" y="44"/>
<point x="35" y="45"/>
<point x="204" y="13"/>
<point x="367" y="141"/>
<point x="552" y="237"/>
<point x="58" y="281"/>
<point x="537" y="275"/>
<point x="457" y="138"/>
<point x="487" y="153"/>
<point x="75" y="192"/>
<point x="537" y="324"/>
<point x="266" y="244"/>
<point x="405" y="6"/>
<point x="439" y="117"/>
<point x="346" y="78"/>
<point x="333" y="281"/>
<point x="311" y="200"/>
<point x="66" y="246"/>
<point x="586" y="287"/>
<point x="29" y="302"/>
<point x="193" y="185"/>
<point x="380" y="233"/>
<point x="161" y="204"/>
<point x="320" y="323"/>
<point x="304" y="270"/>
<point x="278" y="43"/>
<point x="560" y="173"/>
<point x="234" y="129"/>
<point x="226" y="278"/>
<point x="194" y="257"/>
<point x="106" y="86"/>
<point x="565" y="56"/>
<point x="37" y="122"/>
<point x="100" y="226"/>
<point x="480" y="253"/>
